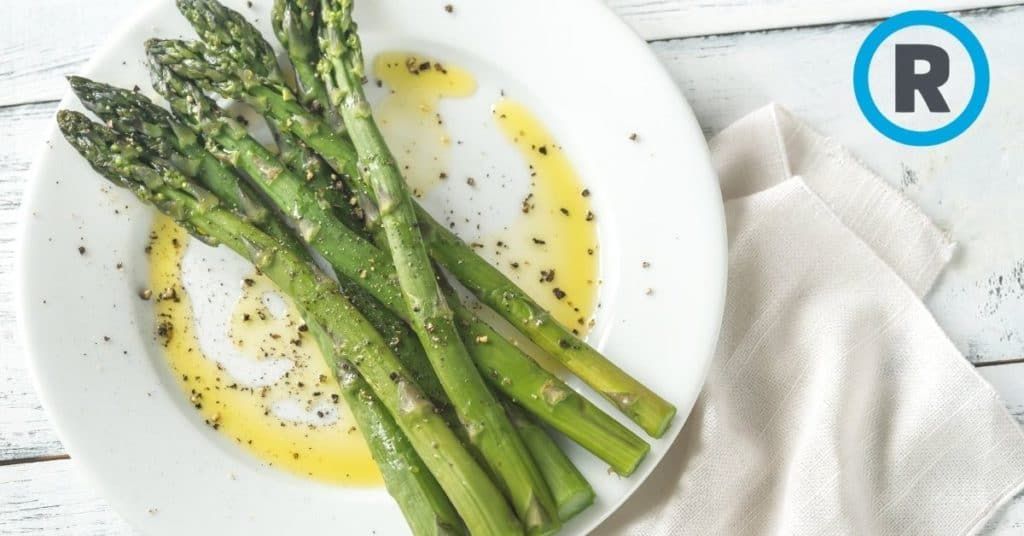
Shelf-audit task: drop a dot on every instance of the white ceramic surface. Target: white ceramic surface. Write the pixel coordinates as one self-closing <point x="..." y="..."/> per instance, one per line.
<point x="589" y="79"/>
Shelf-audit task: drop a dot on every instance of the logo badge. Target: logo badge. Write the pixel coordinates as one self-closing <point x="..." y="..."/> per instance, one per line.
<point x="908" y="82"/>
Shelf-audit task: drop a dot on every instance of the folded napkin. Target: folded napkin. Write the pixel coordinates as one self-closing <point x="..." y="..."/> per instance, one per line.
<point x="835" y="404"/>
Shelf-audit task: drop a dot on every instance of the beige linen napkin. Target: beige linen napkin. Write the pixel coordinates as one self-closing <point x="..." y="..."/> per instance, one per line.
<point x="835" y="404"/>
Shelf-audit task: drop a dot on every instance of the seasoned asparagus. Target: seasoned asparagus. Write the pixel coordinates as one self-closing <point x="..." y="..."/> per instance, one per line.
<point x="295" y="25"/>
<point x="502" y="363"/>
<point x="486" y="422"/>
<point x="424" y="504"/>
<point x="572" y="492"/>
<point x="118" y="159"/>
<point x="131" y="113"/>
<point x="226" y="74"/>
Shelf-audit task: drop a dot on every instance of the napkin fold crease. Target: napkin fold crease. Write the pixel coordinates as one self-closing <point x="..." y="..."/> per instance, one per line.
<point x="835" y="404"/>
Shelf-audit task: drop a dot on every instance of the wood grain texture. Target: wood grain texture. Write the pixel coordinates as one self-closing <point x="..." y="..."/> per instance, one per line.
<point x="663" y="19"/>
<point x="24" y="429"/>
<point x="43" y="41"/>
<point x="51" y="499"/>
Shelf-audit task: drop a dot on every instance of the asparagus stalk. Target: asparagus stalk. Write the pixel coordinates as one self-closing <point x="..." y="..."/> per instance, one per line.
<point x="573" y="493"/>
<point x="132" y="114"/>
<point x="222" y="73"/>
<point x="295" y="23"/>
<point x="467" y="485"/>
<point x="426" y="507"/>
<point x="549" y="398"/>
<point x="317" y="222"/>
<point x="490" y="286"/>
<point x="503" y="364"/>
<point x="405" y="477"/>
<point x="227" y="31"/>
<point x="432" y="319"/>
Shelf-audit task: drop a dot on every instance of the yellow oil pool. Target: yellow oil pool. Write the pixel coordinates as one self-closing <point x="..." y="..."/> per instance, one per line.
<point x="550" y="251"/>
<point x="410" y="117"/>
<point x="325" y="445"/>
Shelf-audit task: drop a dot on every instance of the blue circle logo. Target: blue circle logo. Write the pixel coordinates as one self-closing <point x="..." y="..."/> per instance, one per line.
<point x="896" y="132"/>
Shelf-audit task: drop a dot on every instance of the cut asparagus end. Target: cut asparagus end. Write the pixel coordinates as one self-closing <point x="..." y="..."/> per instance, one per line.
<point x="571" y="505"/>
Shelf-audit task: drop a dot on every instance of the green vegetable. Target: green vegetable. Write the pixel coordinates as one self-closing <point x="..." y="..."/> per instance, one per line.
<point x="295" y="25"/>
<point x="426" y="507"/>
<point x="572" y="492"/>
<point x="226" y="74"/>
<point x="487" y="425"/>
<point x="501" y="362"/>
<point x="466" y="484"/>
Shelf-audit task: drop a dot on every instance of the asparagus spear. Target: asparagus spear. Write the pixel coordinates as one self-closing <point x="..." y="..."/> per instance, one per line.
<point x="424" y="504"/>
<point x="131" y="113"/>
<point x="225" y="75"/>
<point x="317" y="222"/>
<point x="503" y="364"/>
<point x="467" y="485"/>
<point x="549" y="398"/>
<point x="227" y="31"/>
<point x="295" y="23"/>
<point x="431" y="317"/>
<point x="426" y="507"/>
<point x="573" y="493"/>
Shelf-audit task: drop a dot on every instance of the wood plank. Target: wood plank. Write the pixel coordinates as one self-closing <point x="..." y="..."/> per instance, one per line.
<point x="51" y="498"/>
<point x="24" y="429"/>
<point x="36" y="56"/>
<point x="44" y="41"/>
<point x="663" y="19"/>
<point x="971" y="186"/>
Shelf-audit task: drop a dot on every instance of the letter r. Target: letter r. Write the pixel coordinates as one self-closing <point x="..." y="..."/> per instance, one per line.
<point x="909" y="82"/>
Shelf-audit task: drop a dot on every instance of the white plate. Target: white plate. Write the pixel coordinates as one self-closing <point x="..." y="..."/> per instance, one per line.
<point x="587" y="76"/>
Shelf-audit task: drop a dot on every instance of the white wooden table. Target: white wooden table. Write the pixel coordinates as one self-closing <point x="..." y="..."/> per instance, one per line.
<point x="729" y="56"/>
